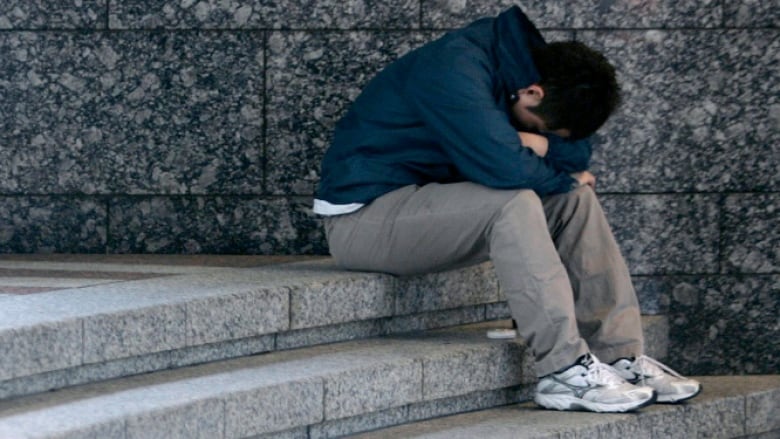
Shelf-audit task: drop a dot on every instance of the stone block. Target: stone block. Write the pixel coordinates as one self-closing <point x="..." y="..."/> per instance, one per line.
<point x="479" y="400"/>
<point x="751" y="233"/>
<point x="654" y="141"/>
<point x="751" y="13"/>
<point x="222" y="350"/>
<point x="655" y="14"/>
<point x="723" y="325"/>
<point x="371" y="421"/>
<point x="721" y="417"/>
<point x="274" y="408"/>
<point x="376" y="386"/>
<point x="214" y="225"/>
<point x="135" y="113"/>
<point x="653" y="294"/>
<point x="196" y="420"/>
<point x="47" y="224"/>
<point x="447" y="14"/>
<point x="747" y="127"/>
<point x="312" y="78"/>
<point x="134" y="332"/>
<point x="240" y="315"/>
<point x="466" y="370"/>
<point x="40" y="348"/>
<point x="578" y="15"/>
<point x="53" y="14"/>
<point x="666" y="234"/>
<point x="343" y="300"/>
<point x="761" y="410"/>
<point x="259" y="14"/>
<point x="498" y="311"/>
<point x="329" y="334"/>
<point x="434" y="319"/>
<point x="451" y="289"/>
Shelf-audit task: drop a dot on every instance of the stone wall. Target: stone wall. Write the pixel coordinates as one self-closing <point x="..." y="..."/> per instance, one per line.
<point x="196" y="126"/>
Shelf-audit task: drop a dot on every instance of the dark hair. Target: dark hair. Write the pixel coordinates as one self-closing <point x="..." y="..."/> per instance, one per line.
<point x="580" y="89"/>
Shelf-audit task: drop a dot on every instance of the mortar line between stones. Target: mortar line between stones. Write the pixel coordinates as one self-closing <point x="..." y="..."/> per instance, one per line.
<point x="721" y="224"/>
<point x="264" y="146"/>
<point x="108" y="12"/>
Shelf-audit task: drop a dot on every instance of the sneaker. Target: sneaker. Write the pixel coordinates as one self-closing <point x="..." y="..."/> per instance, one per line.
<point x="670" y="385"/>
<point x="591" y="385"/>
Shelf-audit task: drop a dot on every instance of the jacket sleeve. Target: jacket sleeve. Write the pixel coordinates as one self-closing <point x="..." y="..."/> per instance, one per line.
<point x="452" y="93"/>
<point x="569" y="155"/>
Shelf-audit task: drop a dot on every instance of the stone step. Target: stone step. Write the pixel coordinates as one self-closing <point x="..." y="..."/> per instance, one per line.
<point x="130" y="318"/>
<point x="728" y="407"/>
<point x="320" y="391"/>
<point x="155" y="316"/>
<point x="327" y="390"/>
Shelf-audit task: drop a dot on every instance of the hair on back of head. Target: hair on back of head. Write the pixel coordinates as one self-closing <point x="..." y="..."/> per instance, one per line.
<point x="580" y="87"/>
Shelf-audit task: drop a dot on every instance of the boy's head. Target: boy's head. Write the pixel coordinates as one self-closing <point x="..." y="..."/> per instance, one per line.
<point x="577" y="93"/>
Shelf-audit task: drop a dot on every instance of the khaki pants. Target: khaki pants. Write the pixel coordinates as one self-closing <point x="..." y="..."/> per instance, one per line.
<point x="556" y="260"/>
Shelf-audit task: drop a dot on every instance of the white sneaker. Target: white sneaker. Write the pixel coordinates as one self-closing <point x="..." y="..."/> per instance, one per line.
<point x="670" y="385"/>
<point x="591" y="385"/>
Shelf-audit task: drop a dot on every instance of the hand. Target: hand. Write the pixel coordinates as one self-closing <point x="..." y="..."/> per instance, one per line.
<point x="584" y="178"/>
<point x="537" y="143"/>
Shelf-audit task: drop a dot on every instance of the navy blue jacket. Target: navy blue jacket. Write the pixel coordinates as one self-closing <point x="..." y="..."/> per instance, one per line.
<point x="441" y="113"/>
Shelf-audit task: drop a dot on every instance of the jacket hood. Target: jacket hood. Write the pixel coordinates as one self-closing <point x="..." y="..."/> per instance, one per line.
<point x="515" y="36"/>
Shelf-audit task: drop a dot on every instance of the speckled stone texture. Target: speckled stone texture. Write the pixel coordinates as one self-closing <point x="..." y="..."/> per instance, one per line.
<point x="312" y="78"/>
<point x="751" y="233"/>
<point x="131" y="112"/>
<point x="449" y="14"/>
<point x="663" y="137"/>
<point x="751" y="13"/>
<point x="659" y="234"/>
<point x="580" y="14"/>
<point x="53" y="14"/>
<point x="214" y="225"/>
<point x="644" y="13"/>
<point x="724" y="324"/>
<point x="51" y="224"/>
<point x="251" y="14"/>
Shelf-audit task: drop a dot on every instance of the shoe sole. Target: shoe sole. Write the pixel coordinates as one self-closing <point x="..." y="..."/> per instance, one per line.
<point x="673" y="399"/>
<point x="571" y="403"/>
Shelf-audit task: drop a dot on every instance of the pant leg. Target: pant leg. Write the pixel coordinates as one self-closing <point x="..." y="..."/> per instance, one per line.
<point x="608" y="315"/>
<point x="437" y="227"/>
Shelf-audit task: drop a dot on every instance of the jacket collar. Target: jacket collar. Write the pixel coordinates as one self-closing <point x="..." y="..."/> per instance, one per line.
<point x="515" y="35"/>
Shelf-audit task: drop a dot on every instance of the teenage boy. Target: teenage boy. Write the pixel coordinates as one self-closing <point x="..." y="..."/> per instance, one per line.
<point x="473" y="147"/>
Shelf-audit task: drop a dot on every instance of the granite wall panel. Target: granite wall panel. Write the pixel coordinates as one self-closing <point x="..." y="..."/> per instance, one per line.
<point x="666" y="234"/>
<point x="312" y="78"/>
<point x="644" y="13"/>
<point x="751" y="233"/>
<point x="53" y="14"/>
<point x="662" y="136"/>
<point x="52" y="225"/>
<point x="580" y="14"/>
<point x="261" y="14"/>
<point x="213" y="225"/>
<point x="751" y="13"/>
<point x="749" y="110"/>
<point x="449" y="14"/>
<point x="131" y="112"/>
<point x="724" y="324"/>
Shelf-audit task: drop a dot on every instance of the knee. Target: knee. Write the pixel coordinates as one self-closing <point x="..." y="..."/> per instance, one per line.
<point x="524" y="201"/>
<point x="581" y="200"/>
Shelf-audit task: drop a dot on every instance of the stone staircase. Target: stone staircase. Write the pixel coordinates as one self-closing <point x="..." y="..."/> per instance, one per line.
<point x="139" y="349"/>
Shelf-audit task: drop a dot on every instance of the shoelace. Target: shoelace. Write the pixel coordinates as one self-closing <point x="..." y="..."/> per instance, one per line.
<point x="603" y="374"/>
<point x="649" y="366"/>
